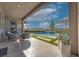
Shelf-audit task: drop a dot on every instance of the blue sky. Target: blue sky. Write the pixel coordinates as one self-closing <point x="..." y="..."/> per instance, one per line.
<point x="52" y="11"/>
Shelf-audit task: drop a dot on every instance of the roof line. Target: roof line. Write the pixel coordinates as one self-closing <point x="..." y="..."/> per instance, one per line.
<point x="40" y="4"/>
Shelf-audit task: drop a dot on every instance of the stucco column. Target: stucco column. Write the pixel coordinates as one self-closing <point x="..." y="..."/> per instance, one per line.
<point x="78" y="28"/>
<point x="73" y="27"/>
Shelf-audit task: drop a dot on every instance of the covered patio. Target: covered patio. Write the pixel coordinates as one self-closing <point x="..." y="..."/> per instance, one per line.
<point x="20" y="41"/>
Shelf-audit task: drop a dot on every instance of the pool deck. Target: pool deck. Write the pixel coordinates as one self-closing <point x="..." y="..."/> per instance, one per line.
<point x="31" y="47"/>
<point x="42" y="49"/>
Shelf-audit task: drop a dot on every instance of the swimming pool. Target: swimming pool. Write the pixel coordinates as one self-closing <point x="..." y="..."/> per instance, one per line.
<point x="47" y="34"/>
<point x="53" y="34"/>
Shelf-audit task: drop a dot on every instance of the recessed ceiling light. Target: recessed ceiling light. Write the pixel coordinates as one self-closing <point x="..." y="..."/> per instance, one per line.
<point x="20" y="6"/>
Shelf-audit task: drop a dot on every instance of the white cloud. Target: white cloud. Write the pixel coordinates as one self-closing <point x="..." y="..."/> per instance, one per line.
<point x="60" y="25"/>
<point x="42" y="15"/>
<point x="27" y="25"/>
<point x="44" y="12"/>
<point x="29" y="18"/>
<point x="65" y="18"/>
<point x="41" y="19"/>
<point x="44" y="25"/>
<point x="24" y="25"/>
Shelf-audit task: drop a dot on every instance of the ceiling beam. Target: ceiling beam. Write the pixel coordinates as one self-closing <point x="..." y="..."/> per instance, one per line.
<point x="35" y="8"/>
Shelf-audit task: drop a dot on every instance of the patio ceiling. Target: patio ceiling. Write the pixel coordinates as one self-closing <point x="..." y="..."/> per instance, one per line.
<point x="18" y="9"/>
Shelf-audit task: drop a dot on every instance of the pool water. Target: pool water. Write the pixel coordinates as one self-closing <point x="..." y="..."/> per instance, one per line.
<point x="47" y="34"/>
<point x="53" y="35"/>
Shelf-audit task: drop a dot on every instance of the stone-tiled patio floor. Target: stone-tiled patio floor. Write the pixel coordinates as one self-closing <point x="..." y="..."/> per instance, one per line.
<point x="31" y="48"/>
<point x="42" y="49"/>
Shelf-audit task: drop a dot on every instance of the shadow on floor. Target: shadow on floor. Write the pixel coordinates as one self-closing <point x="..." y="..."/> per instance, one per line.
<point x="24" y="45"/>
